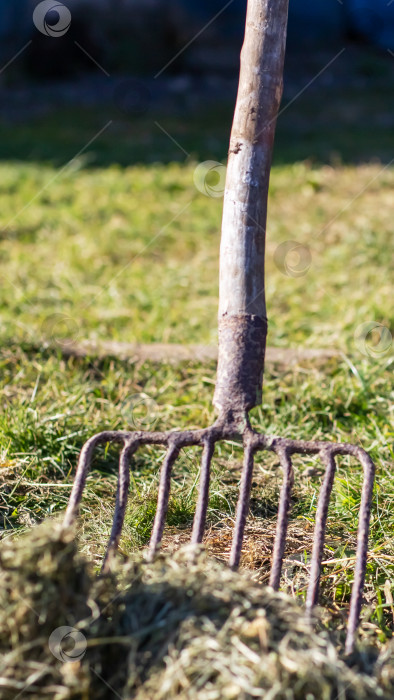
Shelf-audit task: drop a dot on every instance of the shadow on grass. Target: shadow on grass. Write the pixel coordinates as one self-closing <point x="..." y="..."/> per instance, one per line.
<point x="336" y="108"/>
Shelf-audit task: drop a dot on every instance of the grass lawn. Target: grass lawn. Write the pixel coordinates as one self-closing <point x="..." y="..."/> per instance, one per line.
<point x="120" y="244"/>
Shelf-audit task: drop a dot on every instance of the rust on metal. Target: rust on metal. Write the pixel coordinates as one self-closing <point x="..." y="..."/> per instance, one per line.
<point x="242" y="341"/>
<point x="227" y="427"/>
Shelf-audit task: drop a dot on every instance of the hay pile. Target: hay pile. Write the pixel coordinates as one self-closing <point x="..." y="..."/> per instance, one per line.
<point x="163" y="630"/>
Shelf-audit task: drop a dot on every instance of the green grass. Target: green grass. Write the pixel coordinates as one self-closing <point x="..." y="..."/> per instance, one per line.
<point x="132" y="254"/>
<point x="120" y="245"/>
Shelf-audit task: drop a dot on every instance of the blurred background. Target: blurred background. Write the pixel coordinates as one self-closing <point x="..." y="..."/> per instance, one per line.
<point x="111" y="112"/>
<point x="150" y="57"/>
<point x="142" y="35"/>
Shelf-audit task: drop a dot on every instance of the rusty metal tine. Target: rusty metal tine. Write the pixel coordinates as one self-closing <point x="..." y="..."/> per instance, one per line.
<point x="122" y="493"/>
<point x="242" y="506"/>
<point x="84" y="461"/>
<point x="162" y="501"/>
<point x="202" y="502"/>
<point x="320" y="527"/>
<point x="283" y="517"/>
<point x="362" y="549"/>
<point x="252" y="441"/>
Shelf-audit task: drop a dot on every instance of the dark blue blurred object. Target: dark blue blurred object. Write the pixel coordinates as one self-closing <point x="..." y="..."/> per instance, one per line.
<point x="14" y="18"/>
<point x="307" y="19"/>
<point x="210" y="24"/>
<point x="372" y="20"/>
<point x="315" y="21"/>
<point x="230" y="14"/>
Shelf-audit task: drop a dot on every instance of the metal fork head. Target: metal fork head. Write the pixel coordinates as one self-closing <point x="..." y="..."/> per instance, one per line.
<point x="232" y="427"/>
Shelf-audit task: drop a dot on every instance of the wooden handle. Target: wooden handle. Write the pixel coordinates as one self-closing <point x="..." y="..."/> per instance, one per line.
<point x="242" y="310"/>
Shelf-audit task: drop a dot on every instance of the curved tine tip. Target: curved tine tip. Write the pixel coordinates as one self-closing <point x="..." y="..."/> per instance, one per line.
<point x="361" y="551"/>
<point x="122" y="493"/>
<point x="320" y="529"/>
<point x="162" y="501"/>
<point x="283" y="517"/>
<point x="242" y="507"/>
<point x="75" y="497"/>
<point x="84" y="462"/>
<point x="109" y="436"/>
<point x="200" y="515"/>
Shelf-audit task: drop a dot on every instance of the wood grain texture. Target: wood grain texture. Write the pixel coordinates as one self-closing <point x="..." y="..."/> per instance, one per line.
<point x="249" y="161"/>
<point x="242" y="251"/>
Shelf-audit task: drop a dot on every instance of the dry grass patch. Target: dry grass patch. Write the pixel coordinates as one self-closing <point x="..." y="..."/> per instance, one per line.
<point x="182" y="626"/>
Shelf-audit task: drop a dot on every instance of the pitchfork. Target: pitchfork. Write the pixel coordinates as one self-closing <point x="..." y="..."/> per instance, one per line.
<point x="242" y="339"/>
